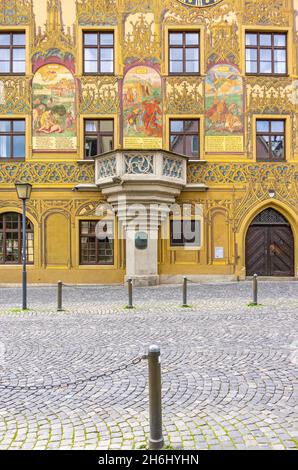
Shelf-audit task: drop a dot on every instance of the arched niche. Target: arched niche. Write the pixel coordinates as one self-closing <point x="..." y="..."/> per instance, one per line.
<point x="57" y="240"/>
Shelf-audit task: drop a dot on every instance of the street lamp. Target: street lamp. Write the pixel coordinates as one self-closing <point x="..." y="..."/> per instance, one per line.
<point x="24" y="193"/>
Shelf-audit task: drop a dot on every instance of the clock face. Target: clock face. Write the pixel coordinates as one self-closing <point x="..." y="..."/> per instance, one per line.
<point x="200" y="3"/>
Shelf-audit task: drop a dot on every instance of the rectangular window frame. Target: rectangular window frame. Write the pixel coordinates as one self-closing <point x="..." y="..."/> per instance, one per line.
<point x="273" y="48"/>
<point x="93" y="236"/>
<point x="185" y="133"/>
<point x="12" y="134"/>
<point x="184" y="47"/>
<point x="184" y="243"/>
<point x="11" y="47"/>
<point x="271" y="134"/>
<point x="98" y="47"/>
<point x="99" y="134"/>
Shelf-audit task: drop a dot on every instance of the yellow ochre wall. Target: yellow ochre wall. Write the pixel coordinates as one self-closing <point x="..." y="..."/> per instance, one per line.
<point x="237" y="186"/>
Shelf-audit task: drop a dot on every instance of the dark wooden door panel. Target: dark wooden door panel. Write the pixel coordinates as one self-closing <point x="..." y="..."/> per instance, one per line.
<point x="256" y="251"/>
<point x="281" y="251"/>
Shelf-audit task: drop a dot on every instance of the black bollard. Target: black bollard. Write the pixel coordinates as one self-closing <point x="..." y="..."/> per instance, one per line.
<point x="156" y="439"/>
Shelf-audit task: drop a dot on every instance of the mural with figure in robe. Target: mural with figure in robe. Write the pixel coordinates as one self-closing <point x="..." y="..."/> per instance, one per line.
<point x="142" y="109"/>
<point x="54" y="109"/>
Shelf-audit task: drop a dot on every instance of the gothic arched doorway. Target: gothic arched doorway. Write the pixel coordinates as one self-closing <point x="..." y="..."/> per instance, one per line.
<point x="270" y="246"/>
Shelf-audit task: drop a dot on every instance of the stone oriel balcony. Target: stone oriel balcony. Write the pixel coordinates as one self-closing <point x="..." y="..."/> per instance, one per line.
<point x="142" y="183"/>
<point x="143" y="176"/>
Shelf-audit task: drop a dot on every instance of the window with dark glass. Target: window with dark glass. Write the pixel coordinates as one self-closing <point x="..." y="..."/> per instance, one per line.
<point x="270" y="140"/>
<point x="95" y="248"/>
<point x="99" y="52"/>
<point x="12" y="138"/>
<point x="184" y="52"/>
<point x="99" y="136"/>
<point x="185" y="233"/>
<point x="11" y="236"/>
<point x="12" y="53"/>
<point x="184" y="137"/>
<point x="266" y="53"/>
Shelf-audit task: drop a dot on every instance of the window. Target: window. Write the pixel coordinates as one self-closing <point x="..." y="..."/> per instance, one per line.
<point x="11" y="237"/>
<point x="184" y="137"/>
<point x="12" y="138"/>
<point x="94" y="250"/>
<point x="185" y="233"/>
<point x="266" y="53"/>
<point x="270" y="140"/>
<point x="99" y="52"/>
<point x="99" y="137"/>
<point x="184" y="52"/>
<point x="12" y="53"/>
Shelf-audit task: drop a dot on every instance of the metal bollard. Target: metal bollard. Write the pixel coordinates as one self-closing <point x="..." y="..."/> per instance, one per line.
<point x="184" y="292"/>
<point x="156" y="439"/>
<point x="59" y="307"/>
<point x="255" y="289"/>
<point x="130" y="302"/>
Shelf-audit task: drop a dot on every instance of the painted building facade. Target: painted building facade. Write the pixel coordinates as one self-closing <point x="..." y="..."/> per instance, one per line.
<point x="107" y="104"/>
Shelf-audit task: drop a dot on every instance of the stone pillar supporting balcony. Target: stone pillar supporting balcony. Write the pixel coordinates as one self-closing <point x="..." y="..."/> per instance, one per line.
<point x="141" y="185"/>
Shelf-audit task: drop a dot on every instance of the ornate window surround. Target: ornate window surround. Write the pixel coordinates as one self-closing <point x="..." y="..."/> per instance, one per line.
<point x="278" y="29"/>
<point x="28" y="145"/>
<point x="80" y="54"/>
<point x="288" y="133"/>
<point x="199" y="117"/>
<point x="84" y="117"/>
<point x="187" y="28"/>
<point x="27" y="31"/>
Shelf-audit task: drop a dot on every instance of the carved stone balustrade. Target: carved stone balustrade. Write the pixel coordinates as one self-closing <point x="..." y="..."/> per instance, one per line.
<point x="150" y="167"/>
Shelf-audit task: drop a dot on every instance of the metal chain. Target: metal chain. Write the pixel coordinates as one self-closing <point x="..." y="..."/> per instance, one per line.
<point x="93" y="378"/>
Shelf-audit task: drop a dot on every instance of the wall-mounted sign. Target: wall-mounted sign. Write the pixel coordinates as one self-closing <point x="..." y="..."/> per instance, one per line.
<point x="219" y="252"/>
<point x="141" y="240"/>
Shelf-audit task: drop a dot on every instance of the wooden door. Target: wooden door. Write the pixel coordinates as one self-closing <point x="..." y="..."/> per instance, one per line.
<point x="270" y="246"/>
<point x="256" y="251"/>
<point x="281" y="251"/>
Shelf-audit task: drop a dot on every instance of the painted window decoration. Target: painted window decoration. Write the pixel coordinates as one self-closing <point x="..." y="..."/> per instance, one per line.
<point x="185" y="233"/>
<point x="271" y="140"/>
<point x="12" y="138"/>
<point x="11" y="239"/>
<point x="142" y="109"/>
<point x="99" y="136"/>
<point x="266" y="53"/>
<point x="224" y="120"/>
<point x="94" y="250"/>
<point x="54" y="109"/>
<point x="99" y="52"/>
<point x="184" y="137"/>
<point x="12" y="53"/>
<point x="184" y="52"/>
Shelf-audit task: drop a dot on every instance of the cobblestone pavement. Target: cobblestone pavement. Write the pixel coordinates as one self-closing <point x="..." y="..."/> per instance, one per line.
<point x="229" y="370"/>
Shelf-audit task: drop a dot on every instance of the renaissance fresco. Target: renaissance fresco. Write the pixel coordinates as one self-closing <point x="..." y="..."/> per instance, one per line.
<point x="224" y="109"/>
<point x="142" y="109"/>
<point x="54" y="109"/>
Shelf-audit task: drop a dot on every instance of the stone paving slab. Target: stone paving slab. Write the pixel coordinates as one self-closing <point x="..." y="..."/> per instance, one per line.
<point x="229" y="370"/>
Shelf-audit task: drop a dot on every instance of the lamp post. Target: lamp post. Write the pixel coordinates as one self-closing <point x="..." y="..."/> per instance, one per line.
<point x="24" y="193"/>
